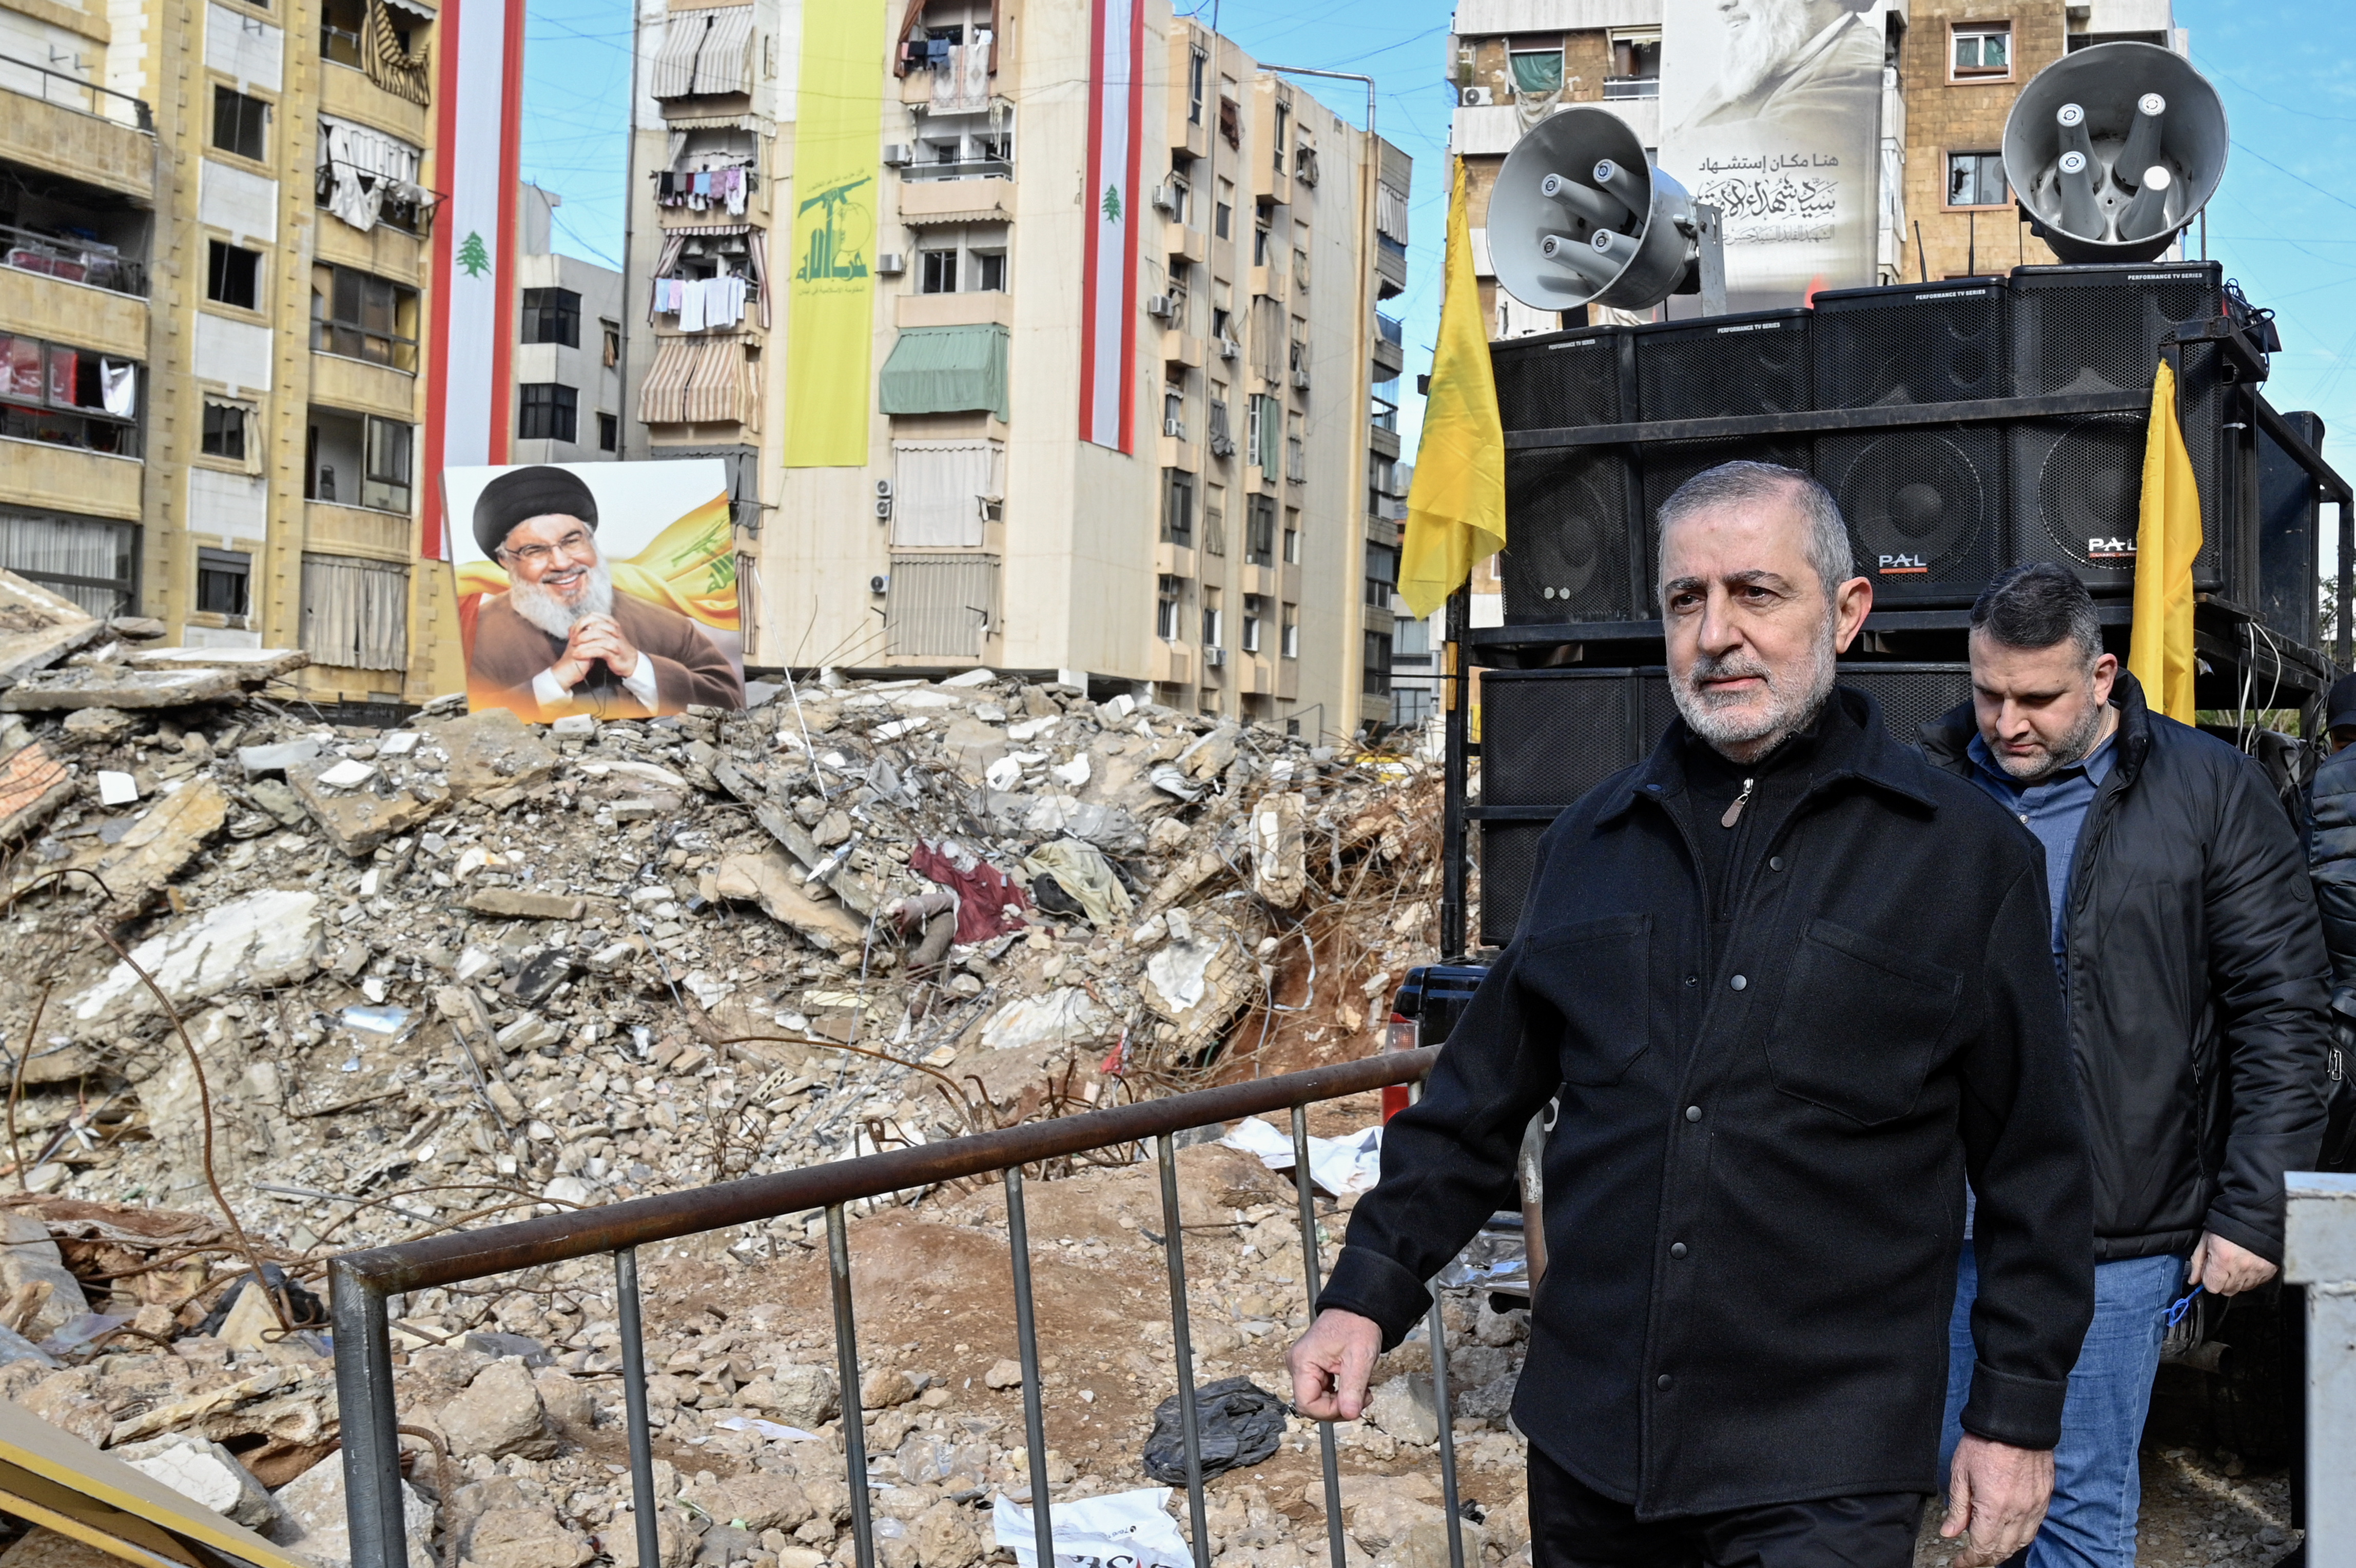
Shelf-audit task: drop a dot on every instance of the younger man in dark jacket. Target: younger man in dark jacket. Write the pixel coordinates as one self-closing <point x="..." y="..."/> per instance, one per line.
<point x="2193" y="970"/>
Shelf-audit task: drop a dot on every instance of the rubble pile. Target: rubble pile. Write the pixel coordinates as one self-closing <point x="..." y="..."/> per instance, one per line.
<point x="281" y="986"/>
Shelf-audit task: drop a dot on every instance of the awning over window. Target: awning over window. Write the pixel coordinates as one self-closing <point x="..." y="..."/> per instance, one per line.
<point x="704" y="52"/>
<point x="697" y="382"/>
<point x="945" y="371"/>
<point x="414" y="7"/>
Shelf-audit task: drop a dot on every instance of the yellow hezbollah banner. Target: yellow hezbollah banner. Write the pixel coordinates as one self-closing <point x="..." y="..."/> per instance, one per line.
<point x="831" y="285"/>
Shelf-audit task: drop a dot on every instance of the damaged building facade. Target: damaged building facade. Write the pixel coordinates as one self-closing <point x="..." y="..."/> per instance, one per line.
<point x="1231" y="553"/>
<point x="213" y="258"/>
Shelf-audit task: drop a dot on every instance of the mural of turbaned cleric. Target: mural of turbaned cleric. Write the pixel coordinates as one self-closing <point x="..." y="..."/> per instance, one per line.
<point x="1770" y="110"/>
<point x="600" y="588"/>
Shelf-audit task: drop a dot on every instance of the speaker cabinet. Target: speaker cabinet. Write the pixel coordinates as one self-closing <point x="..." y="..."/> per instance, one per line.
<point x="1549" y="736"/>
<point x="1943" y="345"/>
<point x="1668" y="464"/>
<point x="2289" y="536"/>
<point x="1722" y="366"/>
<point x="2076" y="483"/>
<point x="1570" y="554"/>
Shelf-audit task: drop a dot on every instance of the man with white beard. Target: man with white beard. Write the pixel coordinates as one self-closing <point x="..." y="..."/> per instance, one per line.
<point x="1797" y="65"/>
<point x="562" y="640"/>
<point x="1789" y="985"/>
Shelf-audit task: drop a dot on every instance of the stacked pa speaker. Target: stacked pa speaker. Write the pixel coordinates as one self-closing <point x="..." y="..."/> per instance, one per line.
<point x="2077" y="481"/>
<point x="1925" y="507"/>
<point x="2289" y="534"/>
<point x="1549" y="736"/>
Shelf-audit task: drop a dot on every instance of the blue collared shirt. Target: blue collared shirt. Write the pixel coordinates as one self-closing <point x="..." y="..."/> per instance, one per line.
<point x="2053" y="808"/>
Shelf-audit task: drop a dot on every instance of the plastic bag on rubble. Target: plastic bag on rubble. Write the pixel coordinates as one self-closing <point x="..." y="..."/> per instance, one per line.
<point x="1240" y="1423"/>
<point x="1133" y="1530"/>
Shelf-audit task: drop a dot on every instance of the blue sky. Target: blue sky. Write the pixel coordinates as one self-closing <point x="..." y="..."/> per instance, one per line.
<point x="2284" y="223"/>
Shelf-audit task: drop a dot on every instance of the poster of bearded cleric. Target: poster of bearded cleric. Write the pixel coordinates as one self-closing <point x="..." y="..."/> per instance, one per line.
<point x="1771" y="110"/>
<point x="600" y="588"/>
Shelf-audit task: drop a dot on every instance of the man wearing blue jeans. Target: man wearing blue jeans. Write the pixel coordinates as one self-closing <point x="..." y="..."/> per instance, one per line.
<point x="2193" y="971"/>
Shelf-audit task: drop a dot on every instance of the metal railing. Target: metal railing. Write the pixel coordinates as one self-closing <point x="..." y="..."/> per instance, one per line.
<point x="362" y="1284"/>
<point x="70" y="92"/>
<point x="961" y="169"/>
<point x="1623" y="87"/>
<point x="54" y="256"/>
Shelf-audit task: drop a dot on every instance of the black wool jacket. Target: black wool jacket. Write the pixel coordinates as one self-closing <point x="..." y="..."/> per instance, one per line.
<point x="1754" y="1189"/>
<point x="2197" y="990"/>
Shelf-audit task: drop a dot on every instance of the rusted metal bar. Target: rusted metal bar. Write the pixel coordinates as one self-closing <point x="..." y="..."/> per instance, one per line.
<point x="846" y="1362"/>
<point x="553" y="1238"/>
<point x="1182" y="1342"/>
<point x="1026" y="1345"/>
<point x="1440" y="1409"/>
<point x="1330" y="1461"/>
<point x="371" y="1439"/>
<point x="646" y="1507"/>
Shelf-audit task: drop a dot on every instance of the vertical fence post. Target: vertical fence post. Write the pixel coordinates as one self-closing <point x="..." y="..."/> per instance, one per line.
<point x="1311" y="1271"/>
<point x="646" y="1506"/>
<point x="2320" y="1252"/>
<point x="370" y="1421"/>
<point x="1181" y="1339"/>
<point x="846" y="1361"/>
<point x="1026" y="1344"/>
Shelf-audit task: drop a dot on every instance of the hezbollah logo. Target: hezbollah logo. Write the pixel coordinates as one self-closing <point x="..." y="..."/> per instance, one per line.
<point x="831" y="252"/>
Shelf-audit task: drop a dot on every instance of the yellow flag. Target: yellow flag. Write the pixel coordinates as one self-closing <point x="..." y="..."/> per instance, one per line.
<point x="2168" y="538"/>
<point x="830" y="277"/>
<point x="1456" y="507"/>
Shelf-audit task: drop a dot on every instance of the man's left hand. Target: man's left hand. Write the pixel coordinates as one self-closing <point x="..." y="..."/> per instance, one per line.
<point x="2226" y="1268"/>
<point x="600" y="637"/>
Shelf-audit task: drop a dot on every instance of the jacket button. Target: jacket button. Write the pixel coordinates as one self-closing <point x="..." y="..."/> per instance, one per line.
<point x="1774" y="862"/>
<point x="1739" y="983"/>
<point x="1676" y="1248"/>
<point x="1692" y="1113"/>
<point x="1693" y="979"/>
<point x="1662" y="1382"/>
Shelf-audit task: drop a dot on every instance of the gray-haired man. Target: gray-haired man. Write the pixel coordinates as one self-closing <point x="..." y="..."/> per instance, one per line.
<point x="1790" y="984"/>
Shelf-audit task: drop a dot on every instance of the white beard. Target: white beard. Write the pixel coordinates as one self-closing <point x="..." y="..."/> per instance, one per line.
<point x="1792" y="699"/>
<point x="555" y="614"/>
<point x="1761" y="49"/>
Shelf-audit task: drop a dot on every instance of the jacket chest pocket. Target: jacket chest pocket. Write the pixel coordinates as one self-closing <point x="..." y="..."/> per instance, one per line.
<point x="1596" y="976"/>
<point x="1859" y="1024"/>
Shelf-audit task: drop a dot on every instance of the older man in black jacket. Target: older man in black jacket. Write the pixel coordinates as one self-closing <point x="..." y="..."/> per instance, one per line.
<point x="1790" y="984"/>
<point x="2184" y="925"/>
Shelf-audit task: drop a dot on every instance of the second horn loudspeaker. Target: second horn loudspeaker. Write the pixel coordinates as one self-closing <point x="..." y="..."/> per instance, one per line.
<point x="1580" y="217"/>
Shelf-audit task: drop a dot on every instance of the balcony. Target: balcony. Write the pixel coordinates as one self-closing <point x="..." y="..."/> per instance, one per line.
<point x="1390" y="348"/>
<point x="333" y="529"/>
<point x="1628" y="87"/>
<point x="977" y="307"/>
<point x="63" y="125"/>
<point x="347" y="93"/>
<point x="958" y="169"/>
<point x="1182" y="243"/>
<point x="1181" y="348"/>
<point x="38" y="303"/>
<point x="929" y="199"/>
<point x="39" y="474"/>
<point x="349" y="383"/>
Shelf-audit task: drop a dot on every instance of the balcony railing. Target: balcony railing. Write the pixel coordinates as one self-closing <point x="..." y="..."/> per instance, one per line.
<point x="58" y="257"/>
<point x="57" y="87"/>
<point x="1383" y="415"/>
<point x="963" y="169"/>
<point x="1393" y="332"/>
<point x="1631" y="87"/>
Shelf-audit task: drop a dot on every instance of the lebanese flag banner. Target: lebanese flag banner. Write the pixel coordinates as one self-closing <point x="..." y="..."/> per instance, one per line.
<point x="477" y="152"/>
<point x="1109" y="285"/>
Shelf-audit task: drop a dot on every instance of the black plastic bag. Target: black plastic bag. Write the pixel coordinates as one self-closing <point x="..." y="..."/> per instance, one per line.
<point x="1240" y="1422"/>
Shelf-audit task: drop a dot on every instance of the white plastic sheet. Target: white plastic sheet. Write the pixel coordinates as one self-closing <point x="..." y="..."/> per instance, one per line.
<point x="1352" y="1163"/>
<point x="1121" y="1529"/>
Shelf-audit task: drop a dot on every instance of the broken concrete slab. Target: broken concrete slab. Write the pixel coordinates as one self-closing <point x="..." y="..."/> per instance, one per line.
<point x="1279" y="866"/>
<point x="30" y="1261"/>
<point x="491" y="751"/>
<point x="768" y="878"/>
<point x="514" y="903"/>
<point x="265" y="939"/>
<point x="314" y="1522"/>
<point x="117" y="686"/>
<point x="253" y="665"/>
<point x="358" y="821"/>
<point x="33" y="785"/>
<point x="500" y="1413"/>
<point x="259" y="761"/>
<point x="158" y="846"/>
<point x="39" y="627"/>
<point x="206" y="1473"/>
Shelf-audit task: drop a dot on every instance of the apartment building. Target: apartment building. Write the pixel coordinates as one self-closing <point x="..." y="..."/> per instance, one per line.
<point x="1235" y="558"/>
<point x="568" y="357"/>
<point x="1951" y="69"/>
<point x="212" y="255"/>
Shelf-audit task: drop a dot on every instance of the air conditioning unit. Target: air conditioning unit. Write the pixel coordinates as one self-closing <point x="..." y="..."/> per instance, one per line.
<point x="993" y="508"/>
<point x="1174" y="427"/>
<point x="1160" y="307"/>
<point x="1475" y="97"/>
<point x="878" y="583"/>
<point x="1165" y="197"/>
<point x="882" y="499"/>
<point x="891" y="264"/>
<point x="1301" y="379"/>
<point x="1214" y="655"/>
<point x="1229" y="348"/>
<point x="900" y="154"/>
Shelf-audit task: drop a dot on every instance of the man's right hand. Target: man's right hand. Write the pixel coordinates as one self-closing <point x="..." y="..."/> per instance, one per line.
<point x="1997" y="1495"/>
<point x="1330" y="1365"/>
<point x="594" y="640"/>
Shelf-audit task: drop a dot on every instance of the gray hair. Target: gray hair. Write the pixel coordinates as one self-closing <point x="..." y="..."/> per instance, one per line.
<point x="2038" y="605"/>
<point x="1742" y="482"/>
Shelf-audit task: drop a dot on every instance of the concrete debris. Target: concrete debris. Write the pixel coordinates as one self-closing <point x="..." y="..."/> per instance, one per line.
<point x="39" y="627"/>
<point x="466" y="969"/>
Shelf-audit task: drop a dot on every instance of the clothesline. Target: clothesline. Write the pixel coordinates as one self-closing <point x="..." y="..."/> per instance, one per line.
<point x="702" y="305"/>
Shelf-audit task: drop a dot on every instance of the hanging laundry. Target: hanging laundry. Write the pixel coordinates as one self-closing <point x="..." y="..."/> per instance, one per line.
<point x="119" y="388"/>
<point x="691" y="310"/>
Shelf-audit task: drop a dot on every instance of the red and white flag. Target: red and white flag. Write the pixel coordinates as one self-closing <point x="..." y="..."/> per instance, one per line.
<point x="1108" y="286"/>
<point x="478" y="147"/>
